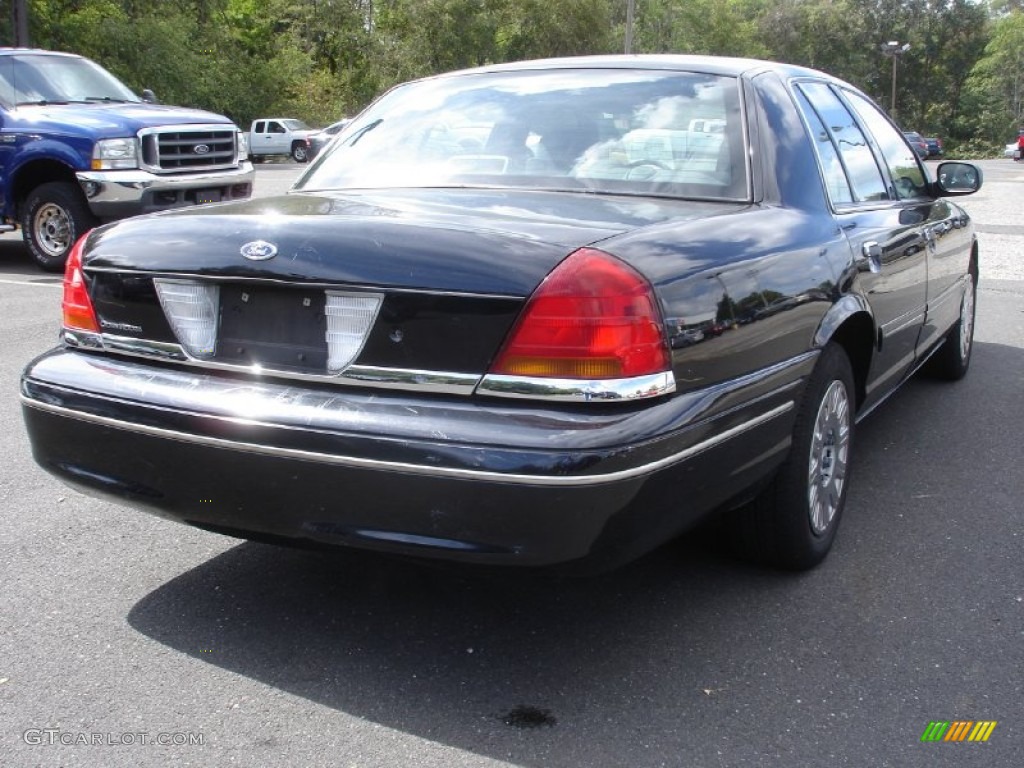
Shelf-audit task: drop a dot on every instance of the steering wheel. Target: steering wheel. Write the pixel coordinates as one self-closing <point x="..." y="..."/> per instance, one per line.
<point x="642" y="170"/>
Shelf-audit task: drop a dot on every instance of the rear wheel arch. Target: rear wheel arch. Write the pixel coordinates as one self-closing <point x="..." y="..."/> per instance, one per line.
<point x="851" y="325"/>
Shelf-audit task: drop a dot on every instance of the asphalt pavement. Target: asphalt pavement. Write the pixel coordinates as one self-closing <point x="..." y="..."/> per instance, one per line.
<point x="126" y="640"/>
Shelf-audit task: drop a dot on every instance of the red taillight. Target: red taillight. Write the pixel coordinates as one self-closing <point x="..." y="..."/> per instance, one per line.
<point x="593" y="317"/>
<point x="77" y="307"/>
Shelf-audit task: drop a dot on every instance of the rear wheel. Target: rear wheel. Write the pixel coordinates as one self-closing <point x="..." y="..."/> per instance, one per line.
<point x="54" y="216"/>
<point x="953" y="358"/>
<point x="793" y="522"/>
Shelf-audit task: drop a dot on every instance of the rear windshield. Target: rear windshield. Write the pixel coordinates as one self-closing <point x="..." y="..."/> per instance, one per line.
<point x="643" y="132"/>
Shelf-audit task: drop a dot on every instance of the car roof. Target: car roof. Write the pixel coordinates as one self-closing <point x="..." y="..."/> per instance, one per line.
<point x="715" y="65"/>
<point x="7" y="51"/>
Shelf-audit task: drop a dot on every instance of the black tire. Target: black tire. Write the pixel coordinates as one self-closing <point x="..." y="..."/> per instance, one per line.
<point x="54" y="216"/>
<point x="300" y="152"/>
<point x="953" y="358"/>
<point x="792" y="523"/>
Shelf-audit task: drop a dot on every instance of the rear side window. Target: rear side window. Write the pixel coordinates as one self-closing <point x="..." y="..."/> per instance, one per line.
<point x="908" y="177"/>
<point x="836" y="183"/>
<point x="865" y="178"/>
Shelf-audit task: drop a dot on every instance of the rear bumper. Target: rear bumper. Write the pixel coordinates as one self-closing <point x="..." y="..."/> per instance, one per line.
<point x="447" y="477"/>
<point x="117" y="194"/>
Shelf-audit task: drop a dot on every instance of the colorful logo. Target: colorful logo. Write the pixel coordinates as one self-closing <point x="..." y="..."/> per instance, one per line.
<point x="958" y="730"/>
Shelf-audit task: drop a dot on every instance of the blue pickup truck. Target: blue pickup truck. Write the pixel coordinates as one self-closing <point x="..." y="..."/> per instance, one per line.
<point x="78" y="148"/>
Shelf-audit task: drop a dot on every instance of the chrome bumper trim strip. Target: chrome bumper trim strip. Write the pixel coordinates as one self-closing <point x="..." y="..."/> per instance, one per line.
<point x="395" y="466"/>
<point x="576" y="391"/>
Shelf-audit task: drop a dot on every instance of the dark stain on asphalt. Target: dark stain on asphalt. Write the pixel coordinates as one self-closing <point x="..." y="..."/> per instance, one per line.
<point x="529" y="717"/>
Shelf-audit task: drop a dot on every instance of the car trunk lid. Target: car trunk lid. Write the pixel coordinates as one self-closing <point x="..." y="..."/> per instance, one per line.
<point x="444" y="274"/>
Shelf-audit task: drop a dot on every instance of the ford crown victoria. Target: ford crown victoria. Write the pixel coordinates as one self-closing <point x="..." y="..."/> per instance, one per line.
<point x="553" y="312"/>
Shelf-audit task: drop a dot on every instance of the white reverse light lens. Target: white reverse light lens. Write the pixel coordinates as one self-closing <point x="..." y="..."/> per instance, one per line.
<point x="192" y="310"/>
<point x="349" y="317"/>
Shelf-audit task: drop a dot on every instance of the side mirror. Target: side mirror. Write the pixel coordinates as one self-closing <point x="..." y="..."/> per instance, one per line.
<point x="149" y="97"/>
<point x="956" y="178"/>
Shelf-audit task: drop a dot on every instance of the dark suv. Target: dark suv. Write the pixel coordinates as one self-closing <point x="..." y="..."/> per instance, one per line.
<point x="918" y="143"/>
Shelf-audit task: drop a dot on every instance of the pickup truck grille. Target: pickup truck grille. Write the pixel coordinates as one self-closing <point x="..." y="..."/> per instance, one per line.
<point x="188" y="148"/>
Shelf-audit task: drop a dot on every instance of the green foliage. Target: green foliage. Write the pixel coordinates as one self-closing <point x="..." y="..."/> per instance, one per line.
<point x="963" y="77"/>
<point x="973" y="149"/>
<point x="995" y="88"/>
<point x="721" y="27"/>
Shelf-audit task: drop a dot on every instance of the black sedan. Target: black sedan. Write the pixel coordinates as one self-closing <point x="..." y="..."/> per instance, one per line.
<point x="323" y="137"/>
<point x="543" y="313"/>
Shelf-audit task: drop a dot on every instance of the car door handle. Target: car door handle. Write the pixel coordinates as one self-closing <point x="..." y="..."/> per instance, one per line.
<point x="871" y="257"/>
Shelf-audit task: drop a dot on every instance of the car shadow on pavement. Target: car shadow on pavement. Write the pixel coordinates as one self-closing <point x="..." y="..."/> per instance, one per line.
<point x="684" y="649"/>
<point x="462" y="658"/>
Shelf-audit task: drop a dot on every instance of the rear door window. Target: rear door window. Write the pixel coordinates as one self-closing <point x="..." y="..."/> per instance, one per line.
<point x="907" y="175"/>
<point x="866" y="180"/>
<point x="836" y="183"/>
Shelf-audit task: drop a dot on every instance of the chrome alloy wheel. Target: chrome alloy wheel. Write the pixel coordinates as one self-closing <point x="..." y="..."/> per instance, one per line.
<point x="967" y="318"/>
<point x="830" y="450"/>
<point x="52" y="228"/>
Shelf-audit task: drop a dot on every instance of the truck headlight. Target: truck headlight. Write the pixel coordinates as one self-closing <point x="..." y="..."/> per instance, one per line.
<point x="112" y="154"/>
<point x="243" y="147"/>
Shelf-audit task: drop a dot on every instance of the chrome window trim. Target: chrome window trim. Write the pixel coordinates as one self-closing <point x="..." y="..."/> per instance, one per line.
<point x="576" y="390"/>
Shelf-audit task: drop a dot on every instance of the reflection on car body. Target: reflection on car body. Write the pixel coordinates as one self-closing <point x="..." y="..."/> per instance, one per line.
<point x="541" y="313"/>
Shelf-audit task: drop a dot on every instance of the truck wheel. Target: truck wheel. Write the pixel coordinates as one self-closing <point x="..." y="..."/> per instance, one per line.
<point x="300" y="152"/>
<point x="54" y="216"/>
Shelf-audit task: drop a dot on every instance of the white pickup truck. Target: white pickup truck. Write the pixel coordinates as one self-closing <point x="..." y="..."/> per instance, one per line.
<point x="279" y="136"/>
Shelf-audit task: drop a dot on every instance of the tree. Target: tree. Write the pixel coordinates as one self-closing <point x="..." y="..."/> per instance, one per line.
<point x="995" y="88"/>
<point x="723" y="27"/>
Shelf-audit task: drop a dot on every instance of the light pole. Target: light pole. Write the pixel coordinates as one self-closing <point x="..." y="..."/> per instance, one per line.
<point x="894" y="50"/>
<point x="19" y="23"/>
<point x="630" y="12"/>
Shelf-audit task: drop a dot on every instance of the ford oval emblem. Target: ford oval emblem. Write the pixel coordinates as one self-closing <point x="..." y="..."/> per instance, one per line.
<point x="201" y="149"/>
<point x="259" y="250"/>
